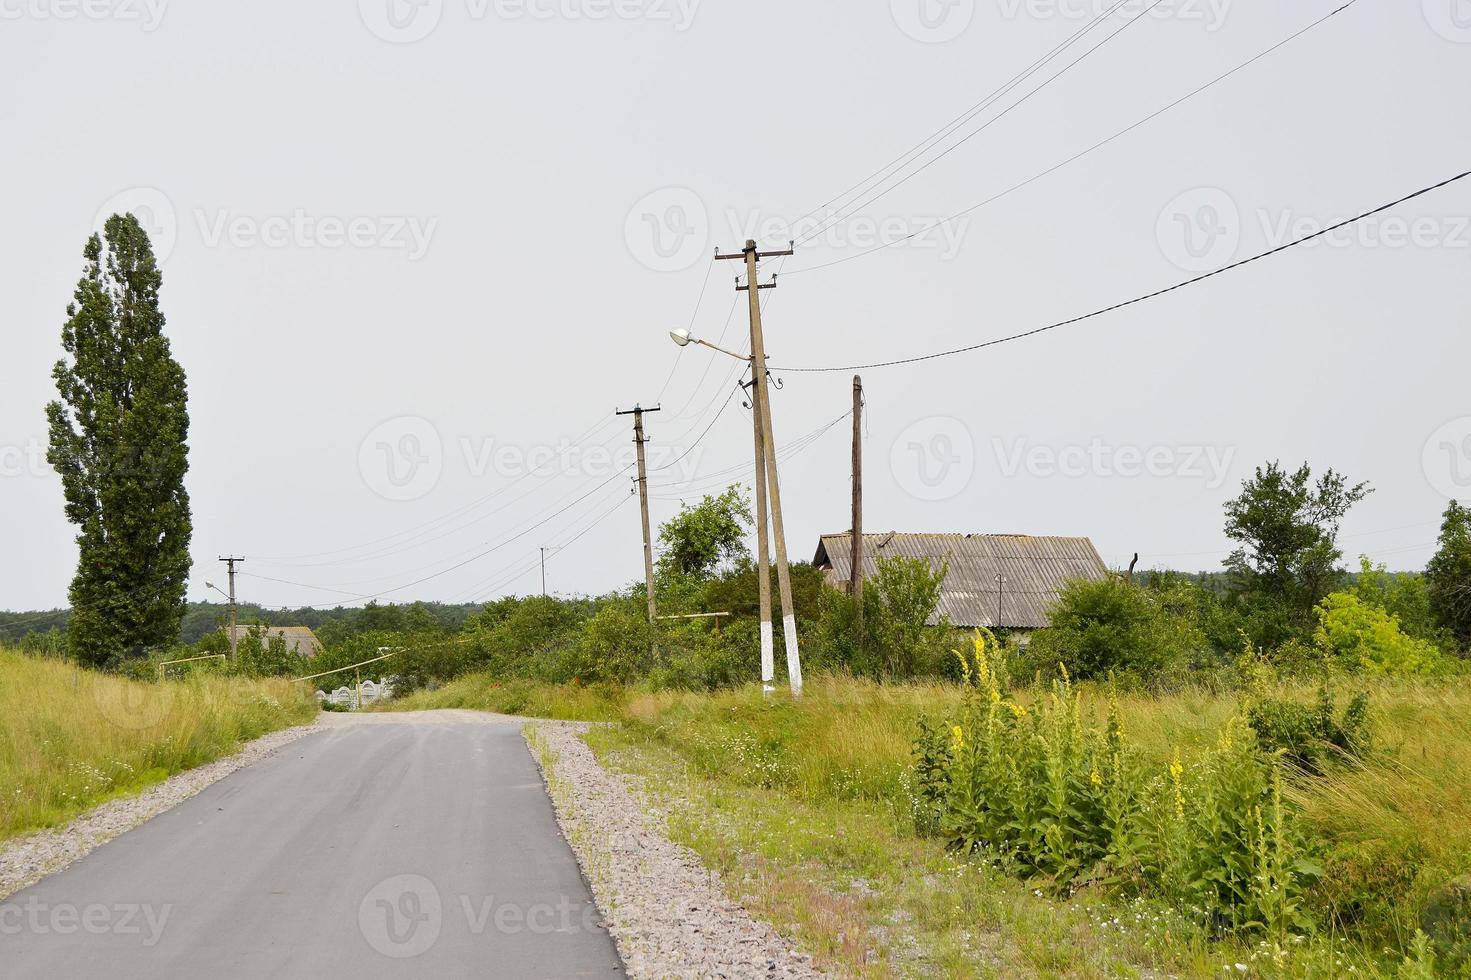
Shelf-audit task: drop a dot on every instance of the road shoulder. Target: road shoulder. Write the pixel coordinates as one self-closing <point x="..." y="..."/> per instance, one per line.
<point x="669" y="915"/>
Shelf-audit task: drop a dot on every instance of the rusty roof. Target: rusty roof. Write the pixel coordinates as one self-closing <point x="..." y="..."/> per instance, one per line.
<point x="299" y="639"/>
<point x="1033" y="570"/>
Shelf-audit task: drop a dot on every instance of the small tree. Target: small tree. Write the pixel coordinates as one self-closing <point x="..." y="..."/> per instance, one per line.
<point x="1109" y="624"/>
<point x="700" y="540"/>
<point x="118" y="440"/>
<point x="1404" y="595"/>
<point x="1363" y="637"/>
<point x="1448" y="576"/>
<point x="897" y="640"/>
<point x="1287" y="559"/>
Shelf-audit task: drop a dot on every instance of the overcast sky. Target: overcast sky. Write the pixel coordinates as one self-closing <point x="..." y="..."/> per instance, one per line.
<point x="413" y="248"/>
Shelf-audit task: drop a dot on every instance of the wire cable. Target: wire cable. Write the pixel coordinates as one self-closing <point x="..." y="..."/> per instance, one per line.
<point x="1137" y="299"/>
<point x="954" y="124"/>
<point x="1077" y="156"/>
<point x="885" y="191"/>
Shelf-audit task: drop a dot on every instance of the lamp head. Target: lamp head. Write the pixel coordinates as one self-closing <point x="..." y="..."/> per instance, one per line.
<point x="681" y="337"/>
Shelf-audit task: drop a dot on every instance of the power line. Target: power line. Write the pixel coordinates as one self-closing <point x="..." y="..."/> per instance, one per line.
<point x="884" y="192"/>
<point x="486" y="587"/>
<point x="1137" y="299"/>
<point x="698" y="439"/>
<point x="1078" y="156"/>
<point x="494" y="548"/>
<point x="693" y="315"/>
<point x="791" y="449"/>
<point x="517" y="526"/>
<point x="288" y="560"/>
<point x="954" y="124"/>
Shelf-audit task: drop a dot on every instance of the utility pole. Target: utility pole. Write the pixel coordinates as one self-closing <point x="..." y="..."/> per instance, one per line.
<point x="230" y="564"/>
<point x="763" y="552"/>
<point x="761" y="403"/>
<point x="543" y="573"/>
<point x="1000" y="581"/>
<point x="855" y="582"/>
<point x="643" y="499"/>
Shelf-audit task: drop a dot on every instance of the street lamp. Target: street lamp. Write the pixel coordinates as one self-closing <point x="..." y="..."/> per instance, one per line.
<point x="211" y="585"/>
<point x="684" y="339"/>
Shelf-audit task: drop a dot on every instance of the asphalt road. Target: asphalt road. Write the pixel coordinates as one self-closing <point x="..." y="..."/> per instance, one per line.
<point x="419" y="846"/>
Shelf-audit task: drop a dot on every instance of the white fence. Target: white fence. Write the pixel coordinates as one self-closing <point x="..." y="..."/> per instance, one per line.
<point x="348" y="696"/>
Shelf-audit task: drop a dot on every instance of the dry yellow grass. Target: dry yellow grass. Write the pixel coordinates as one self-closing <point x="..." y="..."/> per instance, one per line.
<point x="71" y="738"/>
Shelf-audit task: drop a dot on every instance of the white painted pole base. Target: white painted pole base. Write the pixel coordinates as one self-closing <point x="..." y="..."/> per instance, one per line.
<point x="768" y="657"/>
<point x="794" y="659"/>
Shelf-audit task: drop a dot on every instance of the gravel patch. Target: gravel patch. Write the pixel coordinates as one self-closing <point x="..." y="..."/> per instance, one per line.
<point x="26" y="860"/>
<point x="669" y="914"/>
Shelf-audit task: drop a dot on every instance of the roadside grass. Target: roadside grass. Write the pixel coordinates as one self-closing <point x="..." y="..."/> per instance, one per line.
<point x="71" y="739"/>
<point x="556" y="702"/>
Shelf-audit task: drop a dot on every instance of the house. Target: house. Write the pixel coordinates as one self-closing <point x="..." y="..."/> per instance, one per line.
<point x="300" y="640"/>
<point x="1032" y="571"/>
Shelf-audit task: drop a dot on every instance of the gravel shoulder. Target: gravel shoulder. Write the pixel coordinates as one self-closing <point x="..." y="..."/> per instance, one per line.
<point x="27" y="859"/>
<point x="669" y="915"/>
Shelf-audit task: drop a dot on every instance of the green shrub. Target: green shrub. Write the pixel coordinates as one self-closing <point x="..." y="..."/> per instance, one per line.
<point x="1110" y="625"/>
<point x="1041" y="793"/>
<point x="1361" y="637"/>
<point x="1309" y="736"/>
<point x="896" y="641"/>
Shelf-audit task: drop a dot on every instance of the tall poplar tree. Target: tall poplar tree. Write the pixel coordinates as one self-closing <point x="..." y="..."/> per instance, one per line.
<point x="119" y="441"/>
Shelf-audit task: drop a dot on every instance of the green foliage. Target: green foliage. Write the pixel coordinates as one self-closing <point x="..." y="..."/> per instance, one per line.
<point x="1404" y="595"/>
<point x="1448" y="576"/>
<point x="1042" y="793"/>
<point x="1361" y="637"/>
<point x="1110" y="625"/>
<point x="701" y="539"/>
<point x="1287" y="559"/>
<point x="736" y="591"/>
<point x="895" y="641"/>
<point x="1310" y="736"/>
<point x="118" y="440"/>
<point x="615" y="645"/>
<point x="260" y="653"/>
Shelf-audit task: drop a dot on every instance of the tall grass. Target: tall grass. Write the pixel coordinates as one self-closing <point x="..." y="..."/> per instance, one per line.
<point x="71" y="738"/>
<point x="481" y="692"/>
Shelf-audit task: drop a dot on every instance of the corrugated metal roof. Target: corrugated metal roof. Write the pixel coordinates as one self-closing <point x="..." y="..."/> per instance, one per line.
<point x="1033" y="570"/>
<point x="299" y="639"/>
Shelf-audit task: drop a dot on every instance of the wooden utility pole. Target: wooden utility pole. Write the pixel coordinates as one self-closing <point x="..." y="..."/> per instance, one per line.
<point x="762" y="405"/>
<point x="763" y="552"/>
<point x="230" y="564"/>
<point x="643" y="499"/>
<point x="855" y="581"/>
<point x="543" y="573"/>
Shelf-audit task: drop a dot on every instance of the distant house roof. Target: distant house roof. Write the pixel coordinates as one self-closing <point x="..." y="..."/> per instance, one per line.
<point x="1033" y="568"/>
<point x="299" y="639"/>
